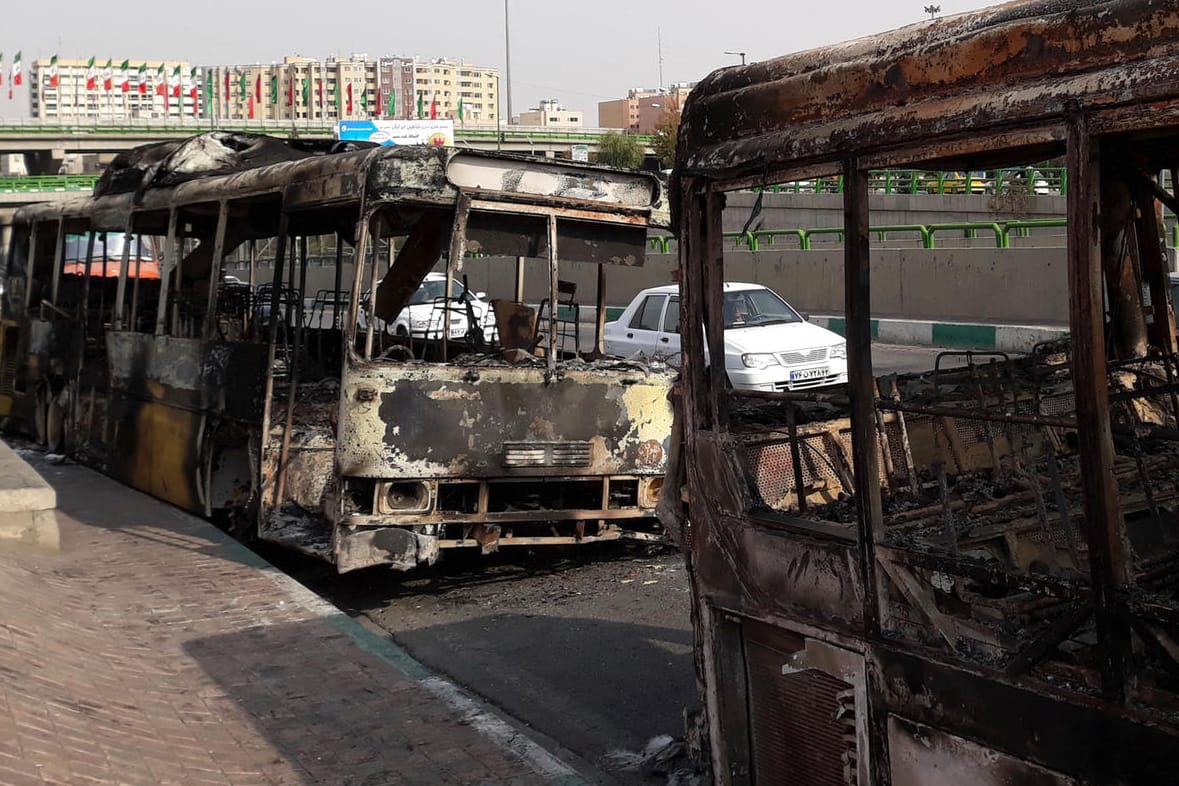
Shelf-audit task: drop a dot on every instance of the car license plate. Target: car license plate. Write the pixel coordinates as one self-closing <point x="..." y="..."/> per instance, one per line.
<point x="458" y="332"/>
<point x="808" y="373"/>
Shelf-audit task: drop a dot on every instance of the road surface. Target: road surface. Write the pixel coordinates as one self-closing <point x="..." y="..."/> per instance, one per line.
<point x="591" y="647"/>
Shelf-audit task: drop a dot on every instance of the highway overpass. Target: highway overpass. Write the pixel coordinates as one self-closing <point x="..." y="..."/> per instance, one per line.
<point x="44" y="145"/>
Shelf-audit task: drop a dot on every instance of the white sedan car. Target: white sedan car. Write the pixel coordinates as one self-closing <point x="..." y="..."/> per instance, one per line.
<point x="768" y="345"/>
<point x="423" y="317"/>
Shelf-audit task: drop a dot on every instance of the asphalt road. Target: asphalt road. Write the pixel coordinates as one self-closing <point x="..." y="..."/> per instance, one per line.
<point x="591" y="647"/>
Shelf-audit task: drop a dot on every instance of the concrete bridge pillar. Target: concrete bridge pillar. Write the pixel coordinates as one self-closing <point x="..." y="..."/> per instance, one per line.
<point x="44" y="162"/>
<point x="6" y="215"/>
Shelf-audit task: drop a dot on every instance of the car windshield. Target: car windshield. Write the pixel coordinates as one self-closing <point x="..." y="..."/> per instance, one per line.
<point x="430" y="291"/>
<point x="754" y="307"/>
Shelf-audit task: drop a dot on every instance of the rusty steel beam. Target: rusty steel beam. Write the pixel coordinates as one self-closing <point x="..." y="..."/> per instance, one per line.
<point x="1104" y="526"/>
<point x="865" y="460"/>
<point x="1153" y="263"/>
<point x="215" y="269"/>
<point x="857" y="303"/>
<point x="1119" y="249"/>
<point x="714" y="321"/>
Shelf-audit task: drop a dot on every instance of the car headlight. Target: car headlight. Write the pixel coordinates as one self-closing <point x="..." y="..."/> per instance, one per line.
<point x="839" y="351"/>
<point x="759" y="360"/>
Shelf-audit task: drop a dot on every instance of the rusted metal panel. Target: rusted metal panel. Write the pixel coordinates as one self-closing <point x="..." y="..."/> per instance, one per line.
<point x="931" y="80"/>
<point x="436" y="421"/>
<point x="203" y="376"/>
<point x="1076" y="736"/>
<point x="926" y="756"/>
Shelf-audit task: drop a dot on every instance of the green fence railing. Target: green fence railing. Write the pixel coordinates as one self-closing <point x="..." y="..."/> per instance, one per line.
<point x="1023" y="180"/>
<point x="1002" y="231"/>
<point x="33" y="184"/>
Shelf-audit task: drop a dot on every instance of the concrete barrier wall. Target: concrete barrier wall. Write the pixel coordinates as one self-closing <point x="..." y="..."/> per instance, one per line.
<point x="1012" y="286"/>
<point x="786" y="211"/>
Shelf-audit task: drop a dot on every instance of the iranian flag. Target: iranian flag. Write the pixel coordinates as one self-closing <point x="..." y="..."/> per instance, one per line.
<point x="16" y="75"/>
<point x="378" y="103"/>
<point x="143" y="79"/>
<point x="319" y="90"/>
<point x="258" y="89"/>
<point x="91" y="74"/>
<point x="192" y="90"/>
<point x="290" y="91"/>
<point x="460" y="110"/>
<point x="349" y="112"/>
<point x="241" y="86"/>
<point x="174" y="82"/>
<point x="1" y="68"/>
<point x="225" y="92"/>
<point x="434" y="107"/>
<point x="421" y="105"/>
<point x="161" y="81"/>
<point x="54" y="76"/>
<point x="108" y="76"/>
<point x="252" y="105"/>
<point x="125" y="76"/>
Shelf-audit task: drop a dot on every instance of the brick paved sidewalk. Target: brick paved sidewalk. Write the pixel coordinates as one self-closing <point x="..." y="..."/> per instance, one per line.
<point x="154" y="650"/>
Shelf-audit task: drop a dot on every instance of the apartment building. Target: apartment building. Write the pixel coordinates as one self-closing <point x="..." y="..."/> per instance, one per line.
<point x="643" y="108"/>
<point x="551" y="114"/>
<point x="351" y="88"/>
<point x="76" y="90"/>
<point x="441" y="85"/>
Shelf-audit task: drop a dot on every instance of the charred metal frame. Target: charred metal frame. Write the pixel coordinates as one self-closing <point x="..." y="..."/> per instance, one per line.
<point x="940" y="698"/>
<point x="229" y="425"/>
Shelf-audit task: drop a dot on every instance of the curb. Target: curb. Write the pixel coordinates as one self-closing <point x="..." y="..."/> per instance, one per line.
<point x="502" y="731"/>
<point x="958" y="335"/>
<point x="28" y="505"/>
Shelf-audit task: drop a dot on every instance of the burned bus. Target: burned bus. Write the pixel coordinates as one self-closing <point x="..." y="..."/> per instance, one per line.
<point x="283" y="401"/>
<point x="969" y="576"/>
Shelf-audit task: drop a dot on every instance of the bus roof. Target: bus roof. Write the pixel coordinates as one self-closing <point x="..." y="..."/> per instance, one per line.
<point x="961" y="92"/>
<point x="412" y="174"/>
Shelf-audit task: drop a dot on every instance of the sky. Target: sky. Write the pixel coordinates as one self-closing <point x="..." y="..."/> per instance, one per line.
<point x="580" y="53"/>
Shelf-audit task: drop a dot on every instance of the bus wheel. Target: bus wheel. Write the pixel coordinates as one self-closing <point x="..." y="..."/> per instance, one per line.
<point x="40" y="414"/>
<point x="55" y="417"/>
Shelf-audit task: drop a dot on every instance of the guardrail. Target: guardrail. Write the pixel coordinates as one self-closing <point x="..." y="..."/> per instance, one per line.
<point x="1023" y="180"/>
<point x="927" y="233"/>
<point x="33" y="184"/>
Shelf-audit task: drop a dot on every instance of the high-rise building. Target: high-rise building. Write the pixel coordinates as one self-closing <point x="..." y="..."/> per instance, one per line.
<point x="86" y="90"/>
<point x="354" y="87"/>
<point x="643" y="108"/>
<point x="443" y="84"/>
<point x="551" y="114"/>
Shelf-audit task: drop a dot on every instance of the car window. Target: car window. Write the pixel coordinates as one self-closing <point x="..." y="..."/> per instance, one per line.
<point x="756" y="307"/>
<point x="647" y="317"/>
<point x="428" y="292"/>
<point x="671" y="319"/>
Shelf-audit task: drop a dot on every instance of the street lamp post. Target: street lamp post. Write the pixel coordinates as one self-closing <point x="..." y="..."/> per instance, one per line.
<point x="508" y="59"/>
<point x="727" y="52"/>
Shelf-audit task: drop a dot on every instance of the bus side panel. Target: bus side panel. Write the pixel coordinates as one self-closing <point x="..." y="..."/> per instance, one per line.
<point x="453" y="421"/>
<point x="167" y="397"/>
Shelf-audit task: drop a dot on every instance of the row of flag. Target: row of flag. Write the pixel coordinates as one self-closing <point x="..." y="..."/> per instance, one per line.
<point x="171" y="86"/>
<point x="344" y="101"/>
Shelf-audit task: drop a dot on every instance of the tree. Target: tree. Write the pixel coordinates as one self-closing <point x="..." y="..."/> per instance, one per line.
<point x="620" y="150"/>
<point x="667" y="130"/>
